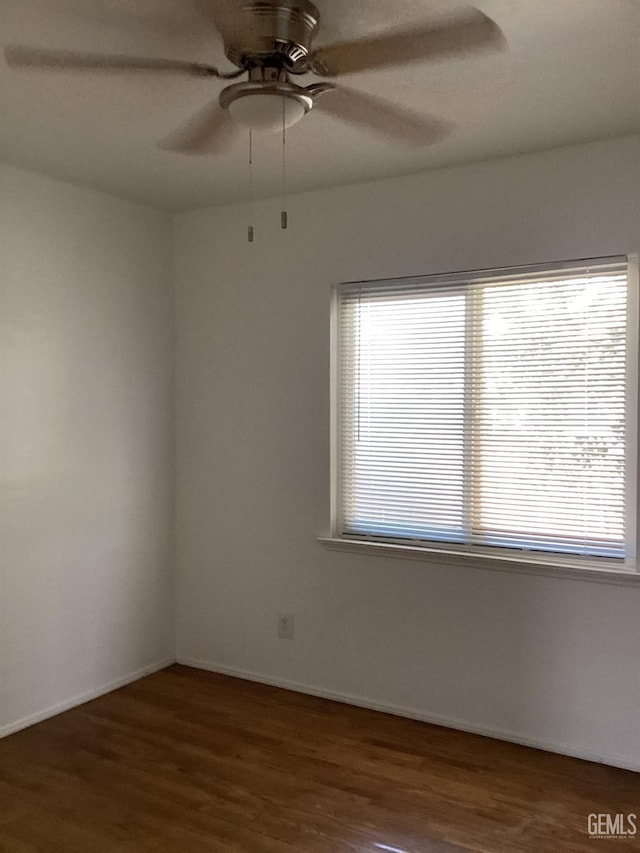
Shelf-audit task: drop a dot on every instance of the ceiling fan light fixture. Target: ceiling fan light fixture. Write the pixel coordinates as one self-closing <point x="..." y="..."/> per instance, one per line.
<point x="260" y="104"/>
<point x="264" y="112"/>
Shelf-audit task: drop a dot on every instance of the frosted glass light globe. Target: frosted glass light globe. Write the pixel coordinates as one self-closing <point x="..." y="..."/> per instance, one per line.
<point x="263" y="112"/>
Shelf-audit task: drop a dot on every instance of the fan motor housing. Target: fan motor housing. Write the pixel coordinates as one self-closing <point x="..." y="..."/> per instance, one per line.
<point x="281" y="31"/>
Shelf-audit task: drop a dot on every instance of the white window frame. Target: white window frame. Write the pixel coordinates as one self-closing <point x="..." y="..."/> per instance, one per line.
<point x="483" y="556"/>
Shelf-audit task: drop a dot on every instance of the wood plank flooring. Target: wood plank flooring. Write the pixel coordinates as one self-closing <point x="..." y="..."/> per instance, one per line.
<point x="186" y="761"/>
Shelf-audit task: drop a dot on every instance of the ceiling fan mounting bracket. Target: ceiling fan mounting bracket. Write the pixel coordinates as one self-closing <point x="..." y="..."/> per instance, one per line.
<point x="280" y="31"/>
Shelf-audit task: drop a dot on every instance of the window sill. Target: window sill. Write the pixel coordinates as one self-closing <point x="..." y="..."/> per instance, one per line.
<point x="521" y="564"/>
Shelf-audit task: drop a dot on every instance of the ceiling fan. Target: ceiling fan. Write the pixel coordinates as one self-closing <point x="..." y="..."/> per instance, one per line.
<point x="270" y="41"/>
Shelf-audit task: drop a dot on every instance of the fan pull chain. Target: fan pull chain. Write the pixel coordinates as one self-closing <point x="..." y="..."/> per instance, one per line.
<point x="284" y="219"/>
<point x="250" y="229"/>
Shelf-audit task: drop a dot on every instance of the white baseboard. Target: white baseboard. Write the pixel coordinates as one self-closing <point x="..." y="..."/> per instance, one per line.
<point x="60" y="707"/>
<point x="615" y="760"/>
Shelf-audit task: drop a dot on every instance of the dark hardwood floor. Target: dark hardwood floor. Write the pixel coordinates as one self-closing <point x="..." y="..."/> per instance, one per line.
<point x="188" y="761"/>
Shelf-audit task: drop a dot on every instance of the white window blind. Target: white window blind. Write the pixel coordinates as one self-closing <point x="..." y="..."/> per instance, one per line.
<point x="488" y="409"/>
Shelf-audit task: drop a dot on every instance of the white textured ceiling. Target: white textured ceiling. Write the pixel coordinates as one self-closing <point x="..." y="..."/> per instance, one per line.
<point x="571" y="74"/>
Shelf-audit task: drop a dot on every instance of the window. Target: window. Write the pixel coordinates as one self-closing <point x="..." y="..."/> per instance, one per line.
<point x="489" y="410"/>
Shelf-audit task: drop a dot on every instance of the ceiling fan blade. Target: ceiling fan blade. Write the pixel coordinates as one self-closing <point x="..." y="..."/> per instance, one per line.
<point x="468" y="30"/>
<point x="19" y="56"/>
<point x="210" y="131"/>
<point x="385" y="117"/>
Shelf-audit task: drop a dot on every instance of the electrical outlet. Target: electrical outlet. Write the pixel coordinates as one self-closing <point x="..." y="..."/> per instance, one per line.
<point x="285" y="626"/>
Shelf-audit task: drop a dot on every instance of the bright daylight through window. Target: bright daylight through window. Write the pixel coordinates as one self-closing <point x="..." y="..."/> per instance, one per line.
<point x="489" y="410"/>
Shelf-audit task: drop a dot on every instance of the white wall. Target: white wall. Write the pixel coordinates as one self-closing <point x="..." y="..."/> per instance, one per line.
<point x="545" y="660"/>
<point x="86" y="474"/>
